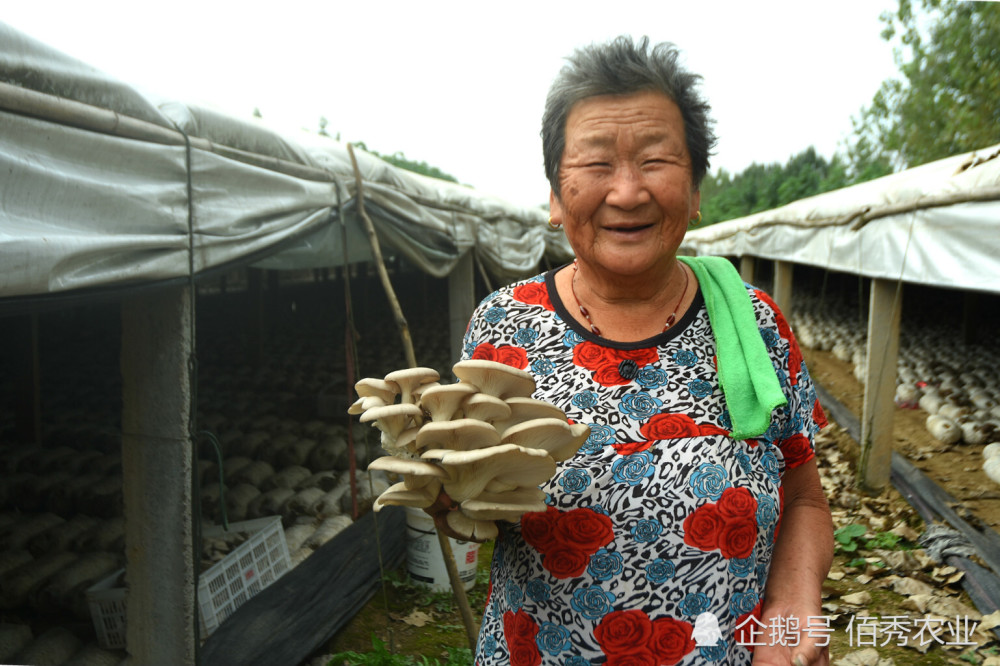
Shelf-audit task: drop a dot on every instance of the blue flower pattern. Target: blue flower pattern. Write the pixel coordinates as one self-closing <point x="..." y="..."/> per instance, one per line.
<point x="542" y="366"/>
<point x="592" y="602"/>
<point x="600" y="435"/>
<point x="494" y="315"/>
<point x="605" y="564"/>
<point x="742" y="603"/>
<point x="552" y="638"/>
<point x="651" y="378"/>
<point x="515" y="597"/>
<point x="685" y="357"/>
<point x="584" y="399"/>
<point x="646" y="530"/>
<point x="699" y="388"/>
<point x="525" y="336"/>
<point x="709" y="481"/>
<point x="639" y="405"/>
<point x="742" y="567"/>
<point x="694" y="604"/>
<point x="660" y="570"/>
<point x="574" y="480"/>
<point x="633" y="469"/>
<point x="537" y="590"/>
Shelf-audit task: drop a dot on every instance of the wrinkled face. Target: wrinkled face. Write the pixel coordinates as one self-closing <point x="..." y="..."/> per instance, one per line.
<point x="625" y="182"/>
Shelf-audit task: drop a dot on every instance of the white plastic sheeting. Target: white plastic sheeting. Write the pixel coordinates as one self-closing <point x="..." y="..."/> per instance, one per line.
<point x="104" y="187"/>
<point x="937" y="224"/>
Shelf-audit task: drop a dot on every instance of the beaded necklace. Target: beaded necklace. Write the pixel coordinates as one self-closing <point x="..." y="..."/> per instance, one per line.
<point x="586" y="315"/>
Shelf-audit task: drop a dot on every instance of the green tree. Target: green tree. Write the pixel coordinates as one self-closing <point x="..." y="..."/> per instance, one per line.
<point x="762" y="187"/>
<point x="947" y="99"/>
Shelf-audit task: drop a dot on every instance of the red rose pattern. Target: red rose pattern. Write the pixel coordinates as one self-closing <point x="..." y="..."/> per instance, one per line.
<point x="730" y="524"/>
<point x="510" y="355"/>
<point x="819" y="416"/>
<point x="701" y="528"/>
<point x="520" y="630"/>
<point x="796" y="450"/>
<point x="567" y="539"/>
<point x="670" y="426"/>
<point x="533" y="293"/>
<point x="538" y="528"/>
<point x="630" y="637"/>
<point x="671" y="640"/>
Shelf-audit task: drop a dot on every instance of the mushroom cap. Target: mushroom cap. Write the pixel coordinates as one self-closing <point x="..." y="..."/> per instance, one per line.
<point x="443" y="400"/>
<point x="416" y="473"/>
<point x="392" y="419"/>
<point x="470" y="528"/>
<point x="364" y="403"/>
<point x="369" y="386"/>
<point x="409" y="379"/>
<point x="509" y="506"/>
<point x="527" y="409"/>
<point x="399" y="494"/>
<point x="497" y="379"/>
<point x="484" y="407"/>
<point x="470" y="471"/>
<point x="419" y="390"/>
<point x="554" y="436"/>
<point x="457" y="435"/>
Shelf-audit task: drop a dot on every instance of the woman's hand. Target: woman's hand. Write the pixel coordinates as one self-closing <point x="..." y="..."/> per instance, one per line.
<point x="801" y="644"/>
<point x="803" y="551"/>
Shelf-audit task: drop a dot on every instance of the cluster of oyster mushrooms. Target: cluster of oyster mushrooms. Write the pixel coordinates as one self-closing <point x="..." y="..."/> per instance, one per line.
<point x="483" y="440"/>
<point x="954" y="383"/>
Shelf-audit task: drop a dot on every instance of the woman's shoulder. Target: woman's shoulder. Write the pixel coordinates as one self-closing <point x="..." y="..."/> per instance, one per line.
<point x="531" y="291"/>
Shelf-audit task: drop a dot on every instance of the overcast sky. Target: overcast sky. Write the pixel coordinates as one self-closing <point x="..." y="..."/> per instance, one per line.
<point x="461" y="85"/>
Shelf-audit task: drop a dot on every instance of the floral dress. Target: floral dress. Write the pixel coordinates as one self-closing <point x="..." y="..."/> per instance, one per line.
<point x="660" y="517"/>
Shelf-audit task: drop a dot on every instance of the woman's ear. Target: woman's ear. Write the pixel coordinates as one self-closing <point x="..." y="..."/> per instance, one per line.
<point x="695" y="204"/>
<point x="555" y="209"/>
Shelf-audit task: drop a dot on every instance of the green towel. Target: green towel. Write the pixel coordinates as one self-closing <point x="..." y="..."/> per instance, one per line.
<point x="746" y="375"/>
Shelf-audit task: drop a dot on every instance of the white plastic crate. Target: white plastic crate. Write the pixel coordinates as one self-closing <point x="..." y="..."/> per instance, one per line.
<point x="107" y="609"/>
<point x="224" y="587"/>
<point x="252" y="566"/>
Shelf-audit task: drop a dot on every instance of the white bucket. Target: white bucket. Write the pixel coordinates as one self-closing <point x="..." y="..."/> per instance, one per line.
<point x="424" y="561"/>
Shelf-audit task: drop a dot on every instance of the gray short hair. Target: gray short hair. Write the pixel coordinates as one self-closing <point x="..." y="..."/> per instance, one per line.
<point x="623" y="67"/>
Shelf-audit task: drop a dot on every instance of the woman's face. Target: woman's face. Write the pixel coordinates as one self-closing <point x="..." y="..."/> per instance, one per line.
<point x="625" y="182"/>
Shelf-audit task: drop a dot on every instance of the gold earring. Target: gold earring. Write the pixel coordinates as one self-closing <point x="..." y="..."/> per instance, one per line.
<point x="553" y="227"/>
<point x="696" y="221"/>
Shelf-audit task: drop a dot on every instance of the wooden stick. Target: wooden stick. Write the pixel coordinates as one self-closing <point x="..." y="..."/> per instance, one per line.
<point x="449" y="559"/>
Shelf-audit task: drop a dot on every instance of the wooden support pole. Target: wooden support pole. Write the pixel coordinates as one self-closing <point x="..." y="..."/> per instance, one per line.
<point x="782" y="289"/>
<point x="457" y="586"/>
<point x="747" y="268"/>
<point x="884" y="309"/>
<point x="461" y="302"/>
<point x="157" y="459"/>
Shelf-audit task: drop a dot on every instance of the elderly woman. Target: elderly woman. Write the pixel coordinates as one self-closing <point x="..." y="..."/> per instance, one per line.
<point x="670" y="538"/>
